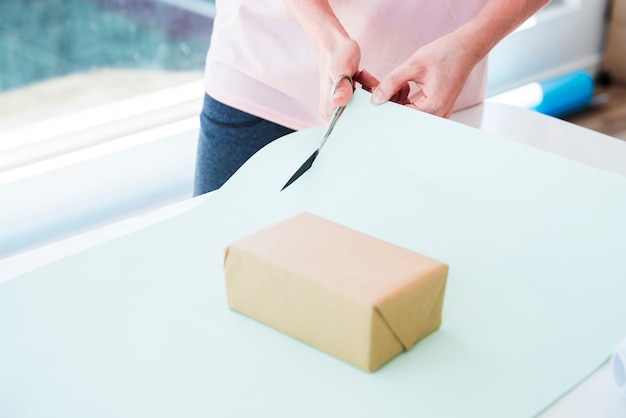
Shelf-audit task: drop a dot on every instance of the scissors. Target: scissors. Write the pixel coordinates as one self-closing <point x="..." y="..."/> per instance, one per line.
<point x="338" y="112"/>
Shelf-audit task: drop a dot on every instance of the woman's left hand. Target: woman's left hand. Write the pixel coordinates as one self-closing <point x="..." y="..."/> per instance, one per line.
<point x="439" y="70"/>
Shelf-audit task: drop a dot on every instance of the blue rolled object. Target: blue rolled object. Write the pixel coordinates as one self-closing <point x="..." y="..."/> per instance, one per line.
<point x="566" y="94"/>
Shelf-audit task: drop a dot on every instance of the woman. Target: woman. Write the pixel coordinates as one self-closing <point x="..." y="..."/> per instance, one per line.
<point x="271" y="64"/>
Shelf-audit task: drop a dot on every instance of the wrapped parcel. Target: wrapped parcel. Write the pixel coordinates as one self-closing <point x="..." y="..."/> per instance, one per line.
<point x="356" y="297"/>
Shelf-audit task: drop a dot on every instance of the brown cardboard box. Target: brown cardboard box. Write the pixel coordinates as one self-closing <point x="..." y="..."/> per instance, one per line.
<point x="615" y="53"/>
<point x="618" y="11"/>
<point x="615" y="48"/>
<point x="356" y="297"/>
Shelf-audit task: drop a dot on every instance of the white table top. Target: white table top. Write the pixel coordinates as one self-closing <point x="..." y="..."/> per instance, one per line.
<point x="594" y="397"/>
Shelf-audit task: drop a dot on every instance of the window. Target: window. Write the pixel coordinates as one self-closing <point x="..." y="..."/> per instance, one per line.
<point x="98" y="111"/>
<point x="60" y="56"/>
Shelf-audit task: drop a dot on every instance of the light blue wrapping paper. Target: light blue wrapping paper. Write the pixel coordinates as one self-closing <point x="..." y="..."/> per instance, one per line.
<point x="535" y="302"/>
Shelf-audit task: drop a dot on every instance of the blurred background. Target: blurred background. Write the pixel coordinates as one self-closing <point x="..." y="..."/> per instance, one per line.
<point x="99" y="100"/>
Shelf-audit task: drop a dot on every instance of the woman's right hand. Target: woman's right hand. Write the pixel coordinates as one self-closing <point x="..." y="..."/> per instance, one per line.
<point x="342" y="58"/>
<point x="337" y="53"/>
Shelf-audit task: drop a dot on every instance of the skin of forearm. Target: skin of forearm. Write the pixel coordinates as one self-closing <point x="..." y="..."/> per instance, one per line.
<point x="495" y="21"/>
<point x="337" y="53"/>
<point x="319" y="22"/>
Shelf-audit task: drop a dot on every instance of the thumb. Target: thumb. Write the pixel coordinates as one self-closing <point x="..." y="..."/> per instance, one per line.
<point x="342" y="94"/>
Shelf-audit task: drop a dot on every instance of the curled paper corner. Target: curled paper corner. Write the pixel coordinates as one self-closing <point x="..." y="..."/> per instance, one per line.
<point x="618" y="363"/>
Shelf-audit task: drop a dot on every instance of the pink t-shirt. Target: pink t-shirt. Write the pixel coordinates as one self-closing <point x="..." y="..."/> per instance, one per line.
<point x="261" y="61"/>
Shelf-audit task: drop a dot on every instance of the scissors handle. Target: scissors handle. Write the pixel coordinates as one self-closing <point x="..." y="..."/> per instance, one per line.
<point x="338" y="111"/>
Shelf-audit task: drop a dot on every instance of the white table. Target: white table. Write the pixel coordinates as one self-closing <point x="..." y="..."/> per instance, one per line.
<point x="596" y="396"/>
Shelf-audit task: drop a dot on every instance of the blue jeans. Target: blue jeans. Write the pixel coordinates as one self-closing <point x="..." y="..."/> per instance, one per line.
<point x="228" y="137"/>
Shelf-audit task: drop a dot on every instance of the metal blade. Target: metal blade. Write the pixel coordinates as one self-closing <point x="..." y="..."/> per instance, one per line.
<point x="303" y="168"/>
<point x="333" y="120"/>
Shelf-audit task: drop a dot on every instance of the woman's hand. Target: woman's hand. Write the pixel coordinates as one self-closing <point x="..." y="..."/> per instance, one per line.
<point x="369" y="83"/>
<point x="337" y="53"/>
<point x="343" y="57"/>
<point x="438" y="71"/>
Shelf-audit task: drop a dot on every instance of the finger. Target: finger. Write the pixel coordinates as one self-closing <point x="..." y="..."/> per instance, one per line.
<point x="436" y="112"/>
<point x="392" y="83"/>
<point x="367" y="80"/>
<point x="402" y="95"/>
<point x="430" y="105"/>
<point x="342" y="94"/>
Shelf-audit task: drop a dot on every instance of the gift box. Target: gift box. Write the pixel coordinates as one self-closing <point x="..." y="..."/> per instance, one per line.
<point x="356" y="297"/>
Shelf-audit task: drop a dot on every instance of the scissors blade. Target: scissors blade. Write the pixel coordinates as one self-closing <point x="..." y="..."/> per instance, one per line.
<point x="309" y="162"/>
<point x="303" y="168"/>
